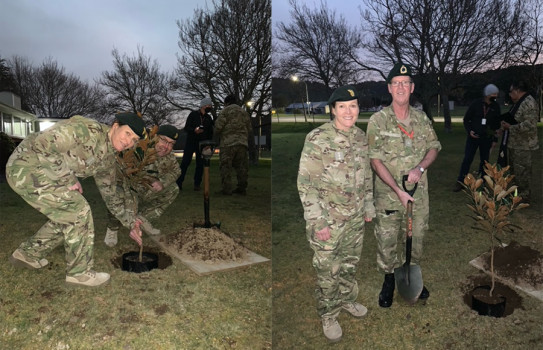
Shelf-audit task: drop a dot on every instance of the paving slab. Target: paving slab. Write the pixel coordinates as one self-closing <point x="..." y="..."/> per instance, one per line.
<point x="203" y="268"/>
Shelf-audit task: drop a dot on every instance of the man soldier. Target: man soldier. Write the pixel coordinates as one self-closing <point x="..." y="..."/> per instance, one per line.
<point x="234" y="129"/>
<point x="523" y="140"/>
<point x="147" y="200"/>
<point x="402" y="142"/>
<point x="44" y="169"/>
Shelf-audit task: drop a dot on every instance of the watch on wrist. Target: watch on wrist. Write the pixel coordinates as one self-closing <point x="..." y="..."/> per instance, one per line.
<point x="422" y="170"/>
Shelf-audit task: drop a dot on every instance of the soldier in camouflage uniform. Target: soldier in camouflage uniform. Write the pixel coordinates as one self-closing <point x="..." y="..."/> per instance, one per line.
<point x="401" y="141"/>
<point x="522" y="137"/>
<point x="335" y="187"/>
<point x="44" y="169"/>
<point x="233" y="127"/>
<point x="150" y="202"/>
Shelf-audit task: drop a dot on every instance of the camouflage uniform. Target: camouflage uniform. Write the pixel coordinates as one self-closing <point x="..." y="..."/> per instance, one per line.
<point x="144" y="201"/>
<point x="387" y="142"/>
<point x="233" y="127"/>
<point x="522" y="141"/>
<point x="42" y="168"/>
<point x="335" y="187"/>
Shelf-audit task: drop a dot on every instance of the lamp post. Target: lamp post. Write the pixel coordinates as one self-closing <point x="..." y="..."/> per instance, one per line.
<point x="294" y="78"/>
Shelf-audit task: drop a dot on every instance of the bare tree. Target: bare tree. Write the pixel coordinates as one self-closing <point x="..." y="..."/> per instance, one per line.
<point x="443" y="40"/>
<point x="49" y="92"/>
<point x="6" y="78"/>
<point x="136" y="84"/>
<point x="225" y="50"/>
<point x="317" y="46"/>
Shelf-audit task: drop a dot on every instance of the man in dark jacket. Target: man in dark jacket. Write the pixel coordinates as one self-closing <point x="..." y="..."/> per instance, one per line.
<point x="481" y="121"/>
<point x="199" y="127"/>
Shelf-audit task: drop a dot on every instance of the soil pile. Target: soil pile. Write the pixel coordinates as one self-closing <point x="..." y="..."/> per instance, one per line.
<point x="518" y="263"/>
<point x="210" y="245"/>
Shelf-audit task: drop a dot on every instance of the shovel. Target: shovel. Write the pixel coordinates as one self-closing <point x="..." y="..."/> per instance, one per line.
<point x="207" y="149"/>
<point x="409" y="277"/>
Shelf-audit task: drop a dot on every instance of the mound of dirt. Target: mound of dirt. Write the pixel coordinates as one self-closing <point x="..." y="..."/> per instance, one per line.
<point x="210" y="245"/>
<point x="518" y="263"/>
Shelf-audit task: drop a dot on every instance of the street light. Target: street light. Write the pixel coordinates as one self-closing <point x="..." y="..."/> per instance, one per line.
<point x="295" y="79"/>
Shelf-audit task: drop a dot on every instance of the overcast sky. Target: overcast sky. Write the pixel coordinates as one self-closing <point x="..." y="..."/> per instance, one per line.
<point x="349" y="9"/>
<point x="80" y="34"/>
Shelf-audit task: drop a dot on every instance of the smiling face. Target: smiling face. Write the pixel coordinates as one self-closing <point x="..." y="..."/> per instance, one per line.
<point x="346" y="114"/>
<point x="164" y="145"/>
<point x="122" y="137"/>
<point x="401" y="88"/>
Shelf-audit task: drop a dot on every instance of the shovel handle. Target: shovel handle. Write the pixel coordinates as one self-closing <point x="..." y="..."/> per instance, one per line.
<point x="409" y="233"/>
<point x="411" y="191"/>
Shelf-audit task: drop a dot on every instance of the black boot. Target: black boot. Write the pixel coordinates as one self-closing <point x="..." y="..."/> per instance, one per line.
<point x="425" y="294"/>
<point x="387" y="293"/>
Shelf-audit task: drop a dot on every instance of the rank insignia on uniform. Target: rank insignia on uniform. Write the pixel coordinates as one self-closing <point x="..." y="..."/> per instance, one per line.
<point x="351" y="92"/>
<point x="403" y="69"/>
<point x="175" y="137"/>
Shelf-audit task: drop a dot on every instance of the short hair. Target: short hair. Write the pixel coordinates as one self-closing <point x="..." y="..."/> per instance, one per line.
<point x="520" y="85"/>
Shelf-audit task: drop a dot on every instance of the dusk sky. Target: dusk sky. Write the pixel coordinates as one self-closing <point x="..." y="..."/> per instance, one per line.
<point x="80" y="34"/>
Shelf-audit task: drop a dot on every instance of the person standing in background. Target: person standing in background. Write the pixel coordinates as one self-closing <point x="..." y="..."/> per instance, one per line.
<point x="523" y="138"/>
<point x="199" y="127"/>
<point x="481" y="121"/>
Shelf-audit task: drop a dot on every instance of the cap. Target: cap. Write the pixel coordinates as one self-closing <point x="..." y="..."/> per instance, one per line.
<point x="205" y="102"/>
<point x="399" y="69"/>
<point x="168" y="131"/>
<point x="491" y="89"/>
<point x="134" y="121"/>
<point x="343" y="93"/>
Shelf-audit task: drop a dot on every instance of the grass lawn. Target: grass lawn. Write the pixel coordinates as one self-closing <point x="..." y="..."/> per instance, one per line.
<point x="445" y="321"/>
<point x="171" y="308"/>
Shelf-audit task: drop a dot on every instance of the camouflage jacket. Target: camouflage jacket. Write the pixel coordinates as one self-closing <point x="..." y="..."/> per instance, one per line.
<point x="335" y="177"/>
<point x="398" y="152"/>
<point x="523" y="135"/>
<point x="233" y="126"/>
<point x="79" y="147"/>
<point x="164" y="169"/>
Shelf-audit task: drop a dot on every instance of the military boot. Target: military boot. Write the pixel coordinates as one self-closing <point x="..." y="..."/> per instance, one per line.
<point x="88" y="279"/>
<point x="387" y="292"/>
<point x="19" y="259"/>
<point x="331" y="328"/>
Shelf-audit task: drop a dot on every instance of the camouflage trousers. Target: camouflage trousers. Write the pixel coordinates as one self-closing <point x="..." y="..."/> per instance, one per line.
<point x="335" y="262"/>
<point x="521" y="166"/>
<point x="151" y="205"/>
<point x="390" y="229"/>
<point x="68" y="213"/>
<point x="234" y="158"/>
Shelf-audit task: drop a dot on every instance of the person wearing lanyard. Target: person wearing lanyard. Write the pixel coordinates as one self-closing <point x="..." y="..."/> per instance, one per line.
<point x="199" y="127"/>
<point x="481" y="121"/>
<point x="401" y="142"/>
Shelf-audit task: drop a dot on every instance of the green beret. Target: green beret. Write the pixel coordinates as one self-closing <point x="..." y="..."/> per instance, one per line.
<point x="134" y="121"/>
<point x="343" y="93"/>
<point x="399" y="69"/>
<point x="169" y="131"/>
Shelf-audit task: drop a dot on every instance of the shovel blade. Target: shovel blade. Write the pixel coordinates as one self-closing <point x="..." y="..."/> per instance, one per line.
<point x="409" y="282"/>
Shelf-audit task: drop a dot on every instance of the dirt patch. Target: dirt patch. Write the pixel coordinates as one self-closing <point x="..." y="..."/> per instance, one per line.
<point x="518" y="263"/>
<point x="210" y="245"/>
